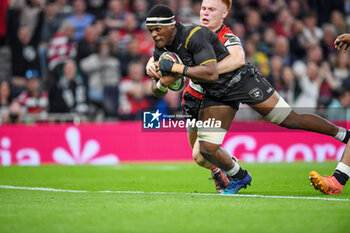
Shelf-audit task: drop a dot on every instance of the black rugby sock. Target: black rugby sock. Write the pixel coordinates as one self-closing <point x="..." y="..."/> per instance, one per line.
<point x="341" y="177"/>
<point x="347" y="137"/>
<point x="240" y="174"/>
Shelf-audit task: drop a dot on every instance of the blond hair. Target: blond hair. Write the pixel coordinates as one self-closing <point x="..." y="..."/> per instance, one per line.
<point x="227" y="3"/>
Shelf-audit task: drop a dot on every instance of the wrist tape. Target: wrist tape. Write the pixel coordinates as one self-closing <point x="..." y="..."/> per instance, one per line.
<point x="178" y="68"/>
<point x="161" y="87"/>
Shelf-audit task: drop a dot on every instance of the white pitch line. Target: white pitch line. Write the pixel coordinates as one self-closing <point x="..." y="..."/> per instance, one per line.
<point x="171" y="193"/>
<point x="43" y="189"/>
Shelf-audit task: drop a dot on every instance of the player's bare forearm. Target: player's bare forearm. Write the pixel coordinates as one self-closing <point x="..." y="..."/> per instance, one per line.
<point x="208" y="72"/>
<point x="156" y="91"/>
<point x="167" y="80"/>
<point x="233" y="61"/>
<point x="205" y="73"/>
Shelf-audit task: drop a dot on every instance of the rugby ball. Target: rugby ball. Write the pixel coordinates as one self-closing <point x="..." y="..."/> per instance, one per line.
<point x="181" y="80"/>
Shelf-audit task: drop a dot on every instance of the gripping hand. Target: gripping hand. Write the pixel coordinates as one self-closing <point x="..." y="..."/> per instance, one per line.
<point x="166" y="65"/>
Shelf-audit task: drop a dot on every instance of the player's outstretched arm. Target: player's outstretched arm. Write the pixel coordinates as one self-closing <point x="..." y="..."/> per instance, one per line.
<point x="235" y="60"/>
<point x="342" y="42"/>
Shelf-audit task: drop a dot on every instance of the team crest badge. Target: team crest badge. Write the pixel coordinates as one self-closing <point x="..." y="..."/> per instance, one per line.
<point x="256" y="93"/>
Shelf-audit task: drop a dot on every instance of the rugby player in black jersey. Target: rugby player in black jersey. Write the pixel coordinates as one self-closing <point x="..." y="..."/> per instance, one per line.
<point x="164" y="22"/>
<point x="200" y="50"/>
<point x="212" y="16"/>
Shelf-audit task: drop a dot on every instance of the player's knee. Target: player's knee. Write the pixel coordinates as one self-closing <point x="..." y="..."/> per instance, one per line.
<point x="199" y="159"/>
<point x="207" y="150"/>
<point x="280" y="113"/>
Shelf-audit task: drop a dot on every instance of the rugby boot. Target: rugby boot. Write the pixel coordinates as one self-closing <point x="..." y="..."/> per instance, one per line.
<point x="235" y="184"/>
<point x="326" y="184"/>
<point x="221" y="181"/>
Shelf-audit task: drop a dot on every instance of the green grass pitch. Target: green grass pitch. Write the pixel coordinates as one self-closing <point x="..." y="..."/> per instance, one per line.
<point x="169" y="200"/>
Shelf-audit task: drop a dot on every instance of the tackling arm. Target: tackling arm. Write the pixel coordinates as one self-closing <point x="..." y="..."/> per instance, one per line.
<point x="235" y="60"/>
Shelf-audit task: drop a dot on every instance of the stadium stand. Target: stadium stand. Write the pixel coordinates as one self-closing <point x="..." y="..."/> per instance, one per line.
<point x="291" y="42"/>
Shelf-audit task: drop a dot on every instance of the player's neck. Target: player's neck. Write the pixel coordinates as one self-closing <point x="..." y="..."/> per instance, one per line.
<point x="216" y="29"/>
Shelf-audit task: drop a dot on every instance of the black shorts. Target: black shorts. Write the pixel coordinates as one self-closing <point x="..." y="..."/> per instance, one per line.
<point x="252" y="88"/>
<point x="191" y="102"/>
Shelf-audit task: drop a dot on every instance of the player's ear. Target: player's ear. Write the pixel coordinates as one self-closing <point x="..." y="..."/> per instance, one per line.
<point x="225" y="13"/>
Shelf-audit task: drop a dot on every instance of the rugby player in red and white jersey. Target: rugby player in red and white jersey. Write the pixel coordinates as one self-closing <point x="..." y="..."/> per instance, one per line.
<point x="212" y="15"/>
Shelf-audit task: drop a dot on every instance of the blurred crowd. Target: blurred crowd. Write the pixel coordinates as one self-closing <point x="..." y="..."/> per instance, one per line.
<point x="62" y="60"/>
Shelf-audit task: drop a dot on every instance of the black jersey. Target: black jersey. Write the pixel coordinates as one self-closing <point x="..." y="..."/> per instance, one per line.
<point x="197" y="45"/>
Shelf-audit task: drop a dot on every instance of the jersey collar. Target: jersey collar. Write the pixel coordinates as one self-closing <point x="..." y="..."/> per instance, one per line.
<point x="217" y="31"/>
